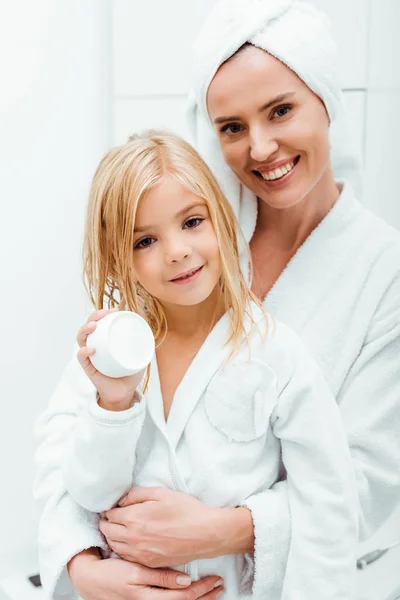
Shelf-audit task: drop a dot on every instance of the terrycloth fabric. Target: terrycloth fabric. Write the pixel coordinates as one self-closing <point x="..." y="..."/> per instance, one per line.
<point x="341" y="294"/>
<point x="298" y="35"/>
<point x="232" y="427"/>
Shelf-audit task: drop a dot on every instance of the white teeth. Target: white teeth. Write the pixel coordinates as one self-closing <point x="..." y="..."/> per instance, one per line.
<point x="187" y="274"/>
<point x="278" y="173"/>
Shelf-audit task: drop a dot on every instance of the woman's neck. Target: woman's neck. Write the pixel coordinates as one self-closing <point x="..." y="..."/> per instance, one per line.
<point x="288" y="228"/>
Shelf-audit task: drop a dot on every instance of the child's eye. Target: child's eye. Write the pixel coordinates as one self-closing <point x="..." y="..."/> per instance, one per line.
<point x="282" y="111"/>
<point x="193" y="222"/>
<point x="144" y="243"/>
<point x="231" y="128"/>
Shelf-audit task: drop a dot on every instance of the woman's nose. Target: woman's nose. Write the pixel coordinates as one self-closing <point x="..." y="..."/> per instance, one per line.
<point x="262" y="145"/>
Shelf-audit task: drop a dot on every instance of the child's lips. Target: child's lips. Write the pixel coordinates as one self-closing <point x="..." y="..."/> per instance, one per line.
<point x="187" y="276"/>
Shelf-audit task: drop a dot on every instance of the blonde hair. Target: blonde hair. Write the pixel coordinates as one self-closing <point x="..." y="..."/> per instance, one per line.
<point x="123" y="178"/>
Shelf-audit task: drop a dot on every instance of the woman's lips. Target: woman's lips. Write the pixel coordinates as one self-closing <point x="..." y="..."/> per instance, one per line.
<point x="273" y="183"/>
<point x="187" y="278"/>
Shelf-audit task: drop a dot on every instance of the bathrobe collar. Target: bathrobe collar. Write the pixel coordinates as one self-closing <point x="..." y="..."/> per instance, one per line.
<point x="304" y="284"/>
<point x="205" y="364"/>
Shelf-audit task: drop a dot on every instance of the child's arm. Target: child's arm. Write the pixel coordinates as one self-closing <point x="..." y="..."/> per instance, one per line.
<point x="321" y="486"/>
<point x="99" y="459"/>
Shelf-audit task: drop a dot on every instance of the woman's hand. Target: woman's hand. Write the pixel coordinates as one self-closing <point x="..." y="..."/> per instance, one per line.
<point x="158" y="527"/>
<point x="116" y="579"/>
<point x="114" y="393"/>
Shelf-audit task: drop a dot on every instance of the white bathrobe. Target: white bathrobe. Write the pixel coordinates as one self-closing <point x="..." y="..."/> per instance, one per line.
<point x="341" y="293"/>
<point x="232" y="426"/>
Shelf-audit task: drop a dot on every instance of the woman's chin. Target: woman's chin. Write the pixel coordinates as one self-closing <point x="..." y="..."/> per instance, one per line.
<point x="281" y="200"/>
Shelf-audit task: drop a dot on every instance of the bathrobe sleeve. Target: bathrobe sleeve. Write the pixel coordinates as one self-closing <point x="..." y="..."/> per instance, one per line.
<point x="318" y="499"/>
<point x="100" y="455"/>
<point x="65" y="527"/>
<point x="369" y="400"/>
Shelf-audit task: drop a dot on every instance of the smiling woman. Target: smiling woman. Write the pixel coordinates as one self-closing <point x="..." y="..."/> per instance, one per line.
<point x="278" y="150"/>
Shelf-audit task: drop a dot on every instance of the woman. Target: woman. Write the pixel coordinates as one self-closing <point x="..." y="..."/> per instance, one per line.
<point x="269" y="120"/>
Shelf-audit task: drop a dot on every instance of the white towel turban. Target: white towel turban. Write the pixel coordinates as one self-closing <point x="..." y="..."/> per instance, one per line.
<point x="298" y="35"/>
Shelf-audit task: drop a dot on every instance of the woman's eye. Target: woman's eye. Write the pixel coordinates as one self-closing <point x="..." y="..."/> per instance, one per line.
<point x="193" y="222"/>
<point x="282" y="111"/>
<point x="144" y="243"/>
<point x="231" y="128"/>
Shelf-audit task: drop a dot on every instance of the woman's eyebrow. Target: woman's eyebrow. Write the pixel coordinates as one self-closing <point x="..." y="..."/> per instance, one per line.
<point x="270" y="103"/>
<point x="275" y="100"/>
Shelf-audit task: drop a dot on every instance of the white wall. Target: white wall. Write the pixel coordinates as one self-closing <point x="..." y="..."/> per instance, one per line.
<point x="60" y="109"/>
<point x="55" y="125"/>
<point x="382" y="130"/>
<point x="151" y="77"/>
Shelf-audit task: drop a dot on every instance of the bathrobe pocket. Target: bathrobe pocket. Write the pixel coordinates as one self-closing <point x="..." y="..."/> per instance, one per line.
<point x="240" y="398"/>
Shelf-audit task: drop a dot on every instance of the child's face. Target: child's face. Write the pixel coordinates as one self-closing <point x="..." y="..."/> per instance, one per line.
<point x="173" y="237"/>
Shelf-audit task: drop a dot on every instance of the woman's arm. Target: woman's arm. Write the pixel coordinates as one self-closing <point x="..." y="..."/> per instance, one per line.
<point x="321" y="487"/>
<point x="65" y="528"/>
<point x="159" y="527"/>
<point x="96" y="579"/>
<point x="369" y="401"/>
<point x="169" y="527"/>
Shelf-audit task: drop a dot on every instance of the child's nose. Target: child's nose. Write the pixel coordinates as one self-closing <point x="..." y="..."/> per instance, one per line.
<point x="177" y="250"/>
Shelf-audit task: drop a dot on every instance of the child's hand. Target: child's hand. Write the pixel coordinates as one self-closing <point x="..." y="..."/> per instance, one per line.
<point x="114" y="394"/>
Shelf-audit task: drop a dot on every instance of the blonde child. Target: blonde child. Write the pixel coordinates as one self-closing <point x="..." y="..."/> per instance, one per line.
<point x="232" y="399"/>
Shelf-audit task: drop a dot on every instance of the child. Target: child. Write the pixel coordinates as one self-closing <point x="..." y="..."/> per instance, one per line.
<point x="230" y="397"/>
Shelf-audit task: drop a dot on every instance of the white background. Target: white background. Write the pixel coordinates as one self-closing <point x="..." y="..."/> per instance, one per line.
<point x="77" y="77"/>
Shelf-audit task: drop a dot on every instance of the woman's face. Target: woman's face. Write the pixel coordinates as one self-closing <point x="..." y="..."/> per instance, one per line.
<point x="272" y="129"/>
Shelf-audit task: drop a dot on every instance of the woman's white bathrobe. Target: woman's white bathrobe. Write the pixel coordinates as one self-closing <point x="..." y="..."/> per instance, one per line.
<point x="231" y="426"/>
<point x="341" y="293"/>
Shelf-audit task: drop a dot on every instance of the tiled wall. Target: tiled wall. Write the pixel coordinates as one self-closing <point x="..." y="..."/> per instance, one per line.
<point x="151" y="74"/>
<point x="152" y="60"/>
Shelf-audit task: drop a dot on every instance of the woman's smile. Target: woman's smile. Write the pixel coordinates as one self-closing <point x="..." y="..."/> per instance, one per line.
<point x="279" y="176"/>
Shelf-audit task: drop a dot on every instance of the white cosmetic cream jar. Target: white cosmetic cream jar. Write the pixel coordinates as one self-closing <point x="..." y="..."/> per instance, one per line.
<point x="124" y="344"/>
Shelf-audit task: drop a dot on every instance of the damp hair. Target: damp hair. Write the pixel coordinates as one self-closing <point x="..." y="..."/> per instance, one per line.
<point x="121" y="181"/>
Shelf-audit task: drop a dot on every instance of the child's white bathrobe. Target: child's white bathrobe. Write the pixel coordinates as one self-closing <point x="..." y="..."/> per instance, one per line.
<point x="230" y="427"/>
<point x="341" y="293"/>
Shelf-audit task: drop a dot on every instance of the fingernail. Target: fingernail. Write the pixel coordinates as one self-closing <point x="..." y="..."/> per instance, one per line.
<point x="218" y="582"/>
<point x="219" y="595"/>
<point x="183" y="580"/>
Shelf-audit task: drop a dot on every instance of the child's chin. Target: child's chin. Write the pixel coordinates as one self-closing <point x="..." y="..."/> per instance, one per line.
<point x="195" y="300"/>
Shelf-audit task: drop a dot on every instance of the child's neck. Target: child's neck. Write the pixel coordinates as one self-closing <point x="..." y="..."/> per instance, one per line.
<point x="188" y="327"/>
<point x="186" y="322"/>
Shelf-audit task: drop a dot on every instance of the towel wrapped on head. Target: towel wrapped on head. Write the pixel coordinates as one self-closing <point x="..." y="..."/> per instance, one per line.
<point x="299" y="36"/>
